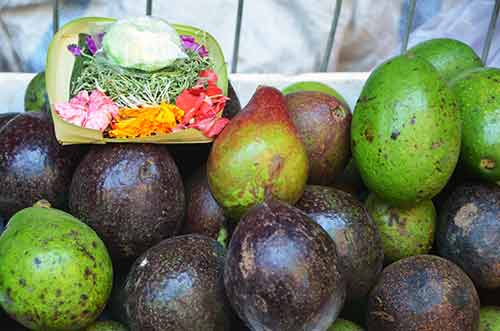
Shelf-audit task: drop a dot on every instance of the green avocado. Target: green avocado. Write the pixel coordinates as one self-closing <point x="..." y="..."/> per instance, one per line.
<point x="478" y="95"/>
<point x="314" y="87"/>
<point x="55" y="272"/>
<point x="489" y="318"/>
<point x="405" y="231"/>
<point x="344" y="325"/>
<point x="406" y="131"/>
<point x="449" y="56"/>
<point x="106" y="326"/>
<point x="35" y="97"/>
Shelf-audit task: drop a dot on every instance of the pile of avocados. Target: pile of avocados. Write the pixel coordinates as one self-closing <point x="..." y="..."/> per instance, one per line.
<point x="302" y="215"/>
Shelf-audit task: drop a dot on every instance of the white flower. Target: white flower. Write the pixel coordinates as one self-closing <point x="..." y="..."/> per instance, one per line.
<point x="145" y="43"/>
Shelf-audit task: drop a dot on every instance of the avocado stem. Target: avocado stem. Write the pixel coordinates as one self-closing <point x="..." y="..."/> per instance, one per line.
<point x="42" y="204"/>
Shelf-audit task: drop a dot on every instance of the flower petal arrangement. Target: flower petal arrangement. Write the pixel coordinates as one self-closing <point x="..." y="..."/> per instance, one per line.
<point x="116" y="85"/>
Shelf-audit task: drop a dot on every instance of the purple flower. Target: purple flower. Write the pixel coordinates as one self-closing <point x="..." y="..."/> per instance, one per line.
<point x="75" y="50"/>
<point x="91" y="45"/>
<point x="188" y="42"/>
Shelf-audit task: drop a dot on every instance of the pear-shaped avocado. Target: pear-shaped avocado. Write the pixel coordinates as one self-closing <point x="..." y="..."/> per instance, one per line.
<point x="423" y="292"/>
<point x="406" y="131"/>
<point x="478" y="95"/>
<point x="405" y="231"/>
<point x="490" y="319"/>
<point x="450" y="57"/>
<point x="131" y="194"/>
<point x="203" y="214"/>
<point x="33" y="165"/>
<point x="357" y="239"/>
<point x="281" y="271"/>
<point x="344" y="325"/>
<point x="324" y="126"/>
<point x="469" y="232"/>
<point x="55" y="272"/>
<point x="178" y="285"/>
<point x="258" y="154"/>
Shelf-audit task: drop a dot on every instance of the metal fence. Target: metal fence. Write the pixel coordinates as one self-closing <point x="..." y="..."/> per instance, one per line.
<point x="331" y="37"/>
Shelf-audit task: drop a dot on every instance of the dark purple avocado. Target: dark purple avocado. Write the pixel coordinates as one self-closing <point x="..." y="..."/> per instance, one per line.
<point x="131" y="194"/>
<point x="469" y="232"/>
<point x="281" y="271"/>
<point x="423" y="292"/>
<point x="178" y="285"/>
<point x="359" y="246"/>
<point x="33" y="165"/>
<point x="203" y="214"/>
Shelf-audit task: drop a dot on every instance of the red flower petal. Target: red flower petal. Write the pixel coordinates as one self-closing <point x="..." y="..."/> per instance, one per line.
<point x="210" y="75"/>
<point x="218" y="126"/>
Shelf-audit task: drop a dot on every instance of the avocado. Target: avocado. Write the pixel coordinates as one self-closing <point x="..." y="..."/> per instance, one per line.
<point x="405" y="231"/>
<point x="258" y="154"/>
<point x="490" y="319"/>
<point x="55" y="272"/>
<point x="358" y="242"/>
<point x="324" y="126"/>
<point x="469" y="232"/>
<point x="36" y="97"/>
<point x="478" y="96"/>
<point x="106" y="326"/>
<point x="450" y="57"/>
<point x="423" y="292"/>
<point x="406" y="131"/>
<point x="203" y="214"/>
<point x="281" y="270"/>
<point x="33" y="165"/>
<point x="178" y="285"/>
<point x="315" y="87"/>
<point x="131" y="194"/>
<point x="344" y="325"/>
<point x="116" y="303"/>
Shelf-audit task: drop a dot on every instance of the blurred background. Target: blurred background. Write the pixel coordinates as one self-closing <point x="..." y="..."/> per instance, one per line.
<point x="277" y="36"/>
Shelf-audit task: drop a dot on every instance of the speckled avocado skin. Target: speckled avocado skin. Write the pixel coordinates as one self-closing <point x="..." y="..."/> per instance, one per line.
<point x="344" y="325"/>
<point x="33" y="165"/>
<point x="106" y="326"/>
<point x="406" y="131"/>
<point x="324" y="126"/>
<point x="281" y="271"/>
<point x="6" y="117"/>
<point x="178" y="285"/>
<point x="478" y="96"/>
<point x="490" y="319"/>
<point x="358" y="242"/>
<point x="469" y="232"/>
<point x="405" y="231"/>
<point x="450" y="57"/>
<point x="55" y="272"/>
<point x="423" y="292"/>
<point x="132" y="195"/>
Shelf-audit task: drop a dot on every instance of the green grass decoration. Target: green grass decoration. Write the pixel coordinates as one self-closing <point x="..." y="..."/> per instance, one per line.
<point x="131" y="87"/>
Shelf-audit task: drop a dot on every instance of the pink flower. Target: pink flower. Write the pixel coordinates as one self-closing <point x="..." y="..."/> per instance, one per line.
<point x="94" y="111"/>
